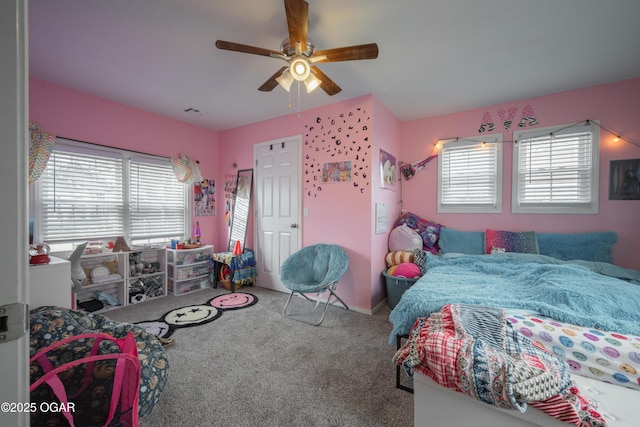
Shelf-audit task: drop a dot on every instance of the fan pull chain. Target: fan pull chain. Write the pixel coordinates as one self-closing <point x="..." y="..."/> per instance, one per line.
<point x="289" y="104"/>
<point x="299" y="84"/>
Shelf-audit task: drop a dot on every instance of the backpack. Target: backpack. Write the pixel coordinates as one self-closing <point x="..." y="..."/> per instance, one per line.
<point x="71" y="379"/>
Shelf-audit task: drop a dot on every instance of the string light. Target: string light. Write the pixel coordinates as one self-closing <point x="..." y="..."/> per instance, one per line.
<point x="587" y="122"/>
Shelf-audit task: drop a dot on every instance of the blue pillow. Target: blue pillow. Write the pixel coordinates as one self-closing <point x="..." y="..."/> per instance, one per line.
<point x="463" y="242"/>
<point x="585" y="246"/>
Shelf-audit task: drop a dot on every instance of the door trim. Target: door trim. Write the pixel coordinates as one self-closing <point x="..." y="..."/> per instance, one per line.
<point x="298" y="141"/>
<point x="14" y="81"/>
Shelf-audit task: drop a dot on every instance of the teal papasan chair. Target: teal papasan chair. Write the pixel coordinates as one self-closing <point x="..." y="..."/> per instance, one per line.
<point x="49" y="324"/>
<point x="314" y="269"/>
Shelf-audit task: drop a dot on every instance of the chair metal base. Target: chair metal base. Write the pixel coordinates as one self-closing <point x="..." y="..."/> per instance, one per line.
<point x="326" y="306"/>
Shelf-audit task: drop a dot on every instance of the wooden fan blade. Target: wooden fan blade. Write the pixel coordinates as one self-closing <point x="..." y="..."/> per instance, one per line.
<point x="237" y="47"/>
<point x="326" y="84"/>
<point x="271" y="83"/>
<point x="349" y="53"/>
<point x="298" y="21"/>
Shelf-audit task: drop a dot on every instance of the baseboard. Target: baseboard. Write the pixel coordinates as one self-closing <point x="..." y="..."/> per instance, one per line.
<point x="356" y="309"/>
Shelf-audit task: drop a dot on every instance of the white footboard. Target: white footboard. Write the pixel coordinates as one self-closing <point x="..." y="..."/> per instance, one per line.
<point x="435" y="405"/>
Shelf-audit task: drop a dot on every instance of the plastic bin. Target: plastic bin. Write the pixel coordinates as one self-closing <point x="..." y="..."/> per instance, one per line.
<point x="396" y="287"/>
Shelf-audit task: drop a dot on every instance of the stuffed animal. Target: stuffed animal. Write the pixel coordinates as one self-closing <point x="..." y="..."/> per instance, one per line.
<point x="136" y="266"/>
<point x="111" y="265"/>
<point x="138" y="297"/>
<point x="407" y="270"/>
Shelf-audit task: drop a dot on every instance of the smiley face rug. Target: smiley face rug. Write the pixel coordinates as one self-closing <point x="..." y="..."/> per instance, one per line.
<point x="197" y="314"/>
<point x="233" y="301"/>
<point x="191" y="315"/>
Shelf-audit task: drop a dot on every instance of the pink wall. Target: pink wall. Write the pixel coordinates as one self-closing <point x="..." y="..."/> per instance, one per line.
<point x="76" y="115"/>
<point x="386" y="136"/>
<point x="345" y="213"/>
<point x="617" y="108"/>
<point x="339" y="213"/>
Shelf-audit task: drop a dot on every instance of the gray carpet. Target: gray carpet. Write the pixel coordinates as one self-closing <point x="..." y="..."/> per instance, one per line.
<point x="254" y="367"/>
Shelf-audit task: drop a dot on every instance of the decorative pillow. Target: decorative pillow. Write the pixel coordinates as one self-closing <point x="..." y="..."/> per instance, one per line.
<point x="463" y="242"/>
<point x="595" y="246"/>
<point x="429" y="231"/>
<point x="398" y="257"/>
<point x="419" y="259"/>
<point x="404" y="238"/>
<point x="407" y="269"/>
<point x="511" y="241"/>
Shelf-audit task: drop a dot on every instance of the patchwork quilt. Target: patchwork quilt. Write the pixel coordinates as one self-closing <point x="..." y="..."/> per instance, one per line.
<point x="475" y="351"/>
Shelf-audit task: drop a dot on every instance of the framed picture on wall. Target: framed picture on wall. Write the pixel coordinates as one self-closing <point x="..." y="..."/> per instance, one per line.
<point x="624" y="179"/>
<point x="387" y="170"/>
<point x="336" y="171"/>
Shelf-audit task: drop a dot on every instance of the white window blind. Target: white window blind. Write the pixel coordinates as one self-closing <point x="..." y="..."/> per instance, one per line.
<point x="157" y="200"/>
<point x="89" y="192"/>
<point x="556" y="171"/>
<point x="470" y="176"/>
<point x="81" y="192"/>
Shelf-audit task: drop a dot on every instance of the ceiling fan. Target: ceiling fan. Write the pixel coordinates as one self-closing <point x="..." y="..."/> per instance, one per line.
<point x="300" y="53"/>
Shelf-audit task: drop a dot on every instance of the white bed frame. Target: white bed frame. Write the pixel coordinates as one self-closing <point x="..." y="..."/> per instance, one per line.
<point x="435" y="405"/>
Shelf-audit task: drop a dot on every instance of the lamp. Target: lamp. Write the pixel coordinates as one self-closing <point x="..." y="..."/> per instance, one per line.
<point x="285" y="80"/>
<point x="300" y="69"/>
<point x="312" y="82"/>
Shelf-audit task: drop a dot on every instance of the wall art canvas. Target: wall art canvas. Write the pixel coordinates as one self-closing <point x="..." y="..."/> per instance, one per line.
<point x="204" y="198"/>
<point x="387" y="170"/>
<point x="624" y="179"/>
<point x="336" y="172"/>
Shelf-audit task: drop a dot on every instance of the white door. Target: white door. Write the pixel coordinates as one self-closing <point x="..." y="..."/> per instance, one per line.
<point x="14" y="353"/>
<point x="278" y="193"/>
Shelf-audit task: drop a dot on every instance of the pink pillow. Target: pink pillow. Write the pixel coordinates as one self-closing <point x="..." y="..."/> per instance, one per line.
<point x="511" y="241"/>
<point x="407" y="269"/>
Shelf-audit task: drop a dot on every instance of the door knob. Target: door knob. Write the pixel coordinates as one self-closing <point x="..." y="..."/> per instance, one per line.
<point x="294" y="225"/>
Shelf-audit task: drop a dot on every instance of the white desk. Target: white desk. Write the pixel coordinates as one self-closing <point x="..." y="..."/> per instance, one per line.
<point x="50" y="284"/>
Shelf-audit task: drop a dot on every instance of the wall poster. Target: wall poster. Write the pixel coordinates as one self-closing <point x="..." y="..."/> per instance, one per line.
<point x="387" y="170"/>
<point x="204" y="198"/>
<point x="623" y="179"/>
<point x="336" y="172"/>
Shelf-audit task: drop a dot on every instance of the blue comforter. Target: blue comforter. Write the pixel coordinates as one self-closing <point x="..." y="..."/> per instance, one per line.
<point x="595" y="295"/>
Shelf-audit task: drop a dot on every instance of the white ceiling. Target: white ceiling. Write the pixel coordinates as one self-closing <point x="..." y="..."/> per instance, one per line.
<point x="436" y="56"/>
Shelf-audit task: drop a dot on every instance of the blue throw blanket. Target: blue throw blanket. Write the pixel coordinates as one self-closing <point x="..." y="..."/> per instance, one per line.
<point x="565" y="291"/>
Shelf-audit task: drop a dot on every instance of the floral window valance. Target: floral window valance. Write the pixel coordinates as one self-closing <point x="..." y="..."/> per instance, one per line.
<point x="40" y="149"/>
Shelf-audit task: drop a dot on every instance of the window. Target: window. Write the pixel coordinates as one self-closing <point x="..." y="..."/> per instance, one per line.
<point x="90" y="192"/>
<point x="157" y="200"/>
<point x="470" y="175"/>
<point x="555" y="170"/>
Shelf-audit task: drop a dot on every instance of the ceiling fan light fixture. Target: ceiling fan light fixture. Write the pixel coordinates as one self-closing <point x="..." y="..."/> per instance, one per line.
<point x="285" y="80"/>
<point x="299" y="69"/>
<point x="301" y="55"/>
<point x="312" y="82"/>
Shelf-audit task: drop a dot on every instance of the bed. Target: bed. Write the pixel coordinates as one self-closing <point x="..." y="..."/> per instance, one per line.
<point x="513" y="337"/>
